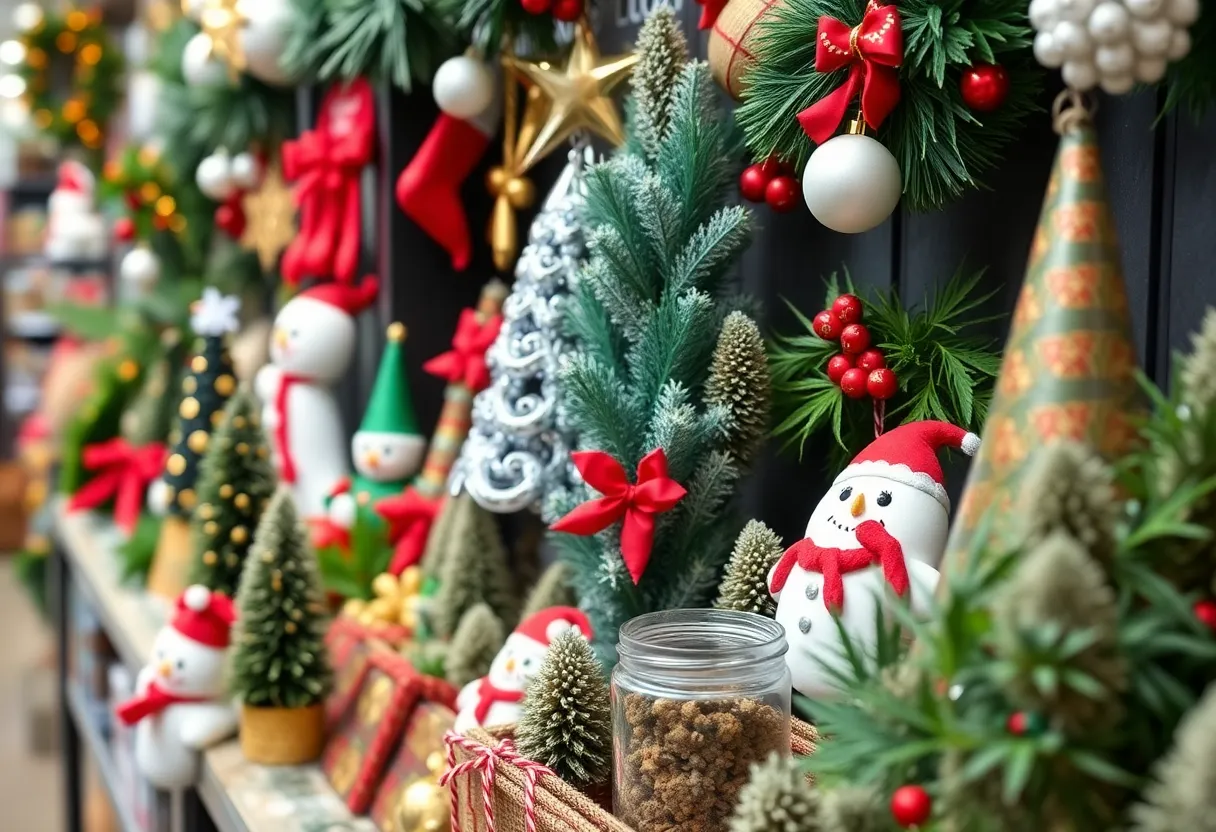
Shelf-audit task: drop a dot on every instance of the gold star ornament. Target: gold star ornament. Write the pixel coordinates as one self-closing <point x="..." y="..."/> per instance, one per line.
<point x="270" y="215"/>
<point x="578" y="95"/>
<point x="222" y="21"/>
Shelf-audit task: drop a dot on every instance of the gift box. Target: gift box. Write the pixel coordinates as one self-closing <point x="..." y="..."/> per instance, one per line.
<point x="411" y="783"/>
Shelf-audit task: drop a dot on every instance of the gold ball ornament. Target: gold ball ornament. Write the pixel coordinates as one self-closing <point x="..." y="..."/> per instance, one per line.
<point x="176" y="464"/>
<point x="241" y="501"/>
<point x="226" y="491"/>
<point x="396" y="332"/>
<point x="385" y="585"/>
<point x="353" y="607"/>
<point x="189" y="408"/>
<point x="425" y="807"/>
<point x="198" y="441"/>
<point x="410" y="580"/>
<point x="187" y="498"/>
<point x="199" y="364"/>
<point x="239" y="534"/>
<point x="225" y="384"/>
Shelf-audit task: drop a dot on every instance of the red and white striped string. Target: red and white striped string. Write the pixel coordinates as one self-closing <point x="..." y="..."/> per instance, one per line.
<point x="485" y="760"/>
<point x="880" y="416"/>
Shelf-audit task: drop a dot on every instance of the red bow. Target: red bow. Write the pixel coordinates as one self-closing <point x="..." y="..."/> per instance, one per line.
<point x="710" y="9"/>
<point x="654" y="493"/>
<point x="872" y="50"/>
<point x="123" y="473"/>
<point x="326" y="164"/>
<point x="154" y="700"/>
<point x="879" y="549"/>
<point x="409" y="516"/>
<point x="465" y="362"/>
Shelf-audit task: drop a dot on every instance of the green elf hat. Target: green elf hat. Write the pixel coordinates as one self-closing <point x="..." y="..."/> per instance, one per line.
<point x="390" y="409"/>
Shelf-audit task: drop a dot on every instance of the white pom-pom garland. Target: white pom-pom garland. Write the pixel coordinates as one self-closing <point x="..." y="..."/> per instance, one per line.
<point x="196" y="597"/>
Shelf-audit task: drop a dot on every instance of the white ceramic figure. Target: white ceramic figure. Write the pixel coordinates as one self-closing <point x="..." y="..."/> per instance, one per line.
<point x="497" y="697"/>
<point x="311" y="348"/>
<point x="74" y="230"/>
<point x="180" y="705"/>
<point x="880" y="528"/>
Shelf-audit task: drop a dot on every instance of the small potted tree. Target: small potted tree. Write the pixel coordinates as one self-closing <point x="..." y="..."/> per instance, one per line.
<point x="280" y="668"/>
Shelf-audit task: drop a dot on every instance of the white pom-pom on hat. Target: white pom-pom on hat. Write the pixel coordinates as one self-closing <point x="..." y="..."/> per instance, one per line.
<point x="196" y="597"/>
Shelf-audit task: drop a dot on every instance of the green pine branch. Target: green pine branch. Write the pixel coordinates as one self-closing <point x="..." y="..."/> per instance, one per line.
<point x="400" y="41"/>
<point x="488" y="24"/>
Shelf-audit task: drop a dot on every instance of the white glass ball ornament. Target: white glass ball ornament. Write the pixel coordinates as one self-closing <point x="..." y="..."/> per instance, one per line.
<point x="1047" y="51"/>
<point x="1076" y="10"/>
<point x="1073" y="40"/>
<point x="1150" y="70"/>
<point x="1118" y="84"/>
<point x="1182" y="12"/>
<point x="263" y="38"/>
<point x="245" y="171"/>
<point x="463" y="87"/>
<point x="851" y="183"/>
<point x="1145" y="9"/>
<point x="214" y="176"/>
<point x="1080" y="75"/>
<point x="1180" y="45"/>
<point x="1109" y="23"/>
<point x="1151" y="37"/>
<point x="1044" y="14"/>
<point x="140" y="269"/>
<point x="200" y="68"/>
<point x="1117" y="59"/>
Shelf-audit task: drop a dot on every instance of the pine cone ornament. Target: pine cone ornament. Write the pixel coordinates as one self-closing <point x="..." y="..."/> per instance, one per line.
<point x="745" y="587"/>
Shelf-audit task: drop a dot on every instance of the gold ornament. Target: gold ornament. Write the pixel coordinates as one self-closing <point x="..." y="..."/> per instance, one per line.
<point x="222" y="21"/>
<point x="199" y="365"/>
<point x="128" y="369"/>
<point x="198" y="441"/>
<point x="189" y="408"/>
<point x="176" y="465"/>
<point x="210" y="558"/>
<point x="225" y="384"/>
<point x="187" y="499"/>
<point x="395" y="601"/>
<point x="239" y="534"/>
<point x="425" y="807"/>
<point x="270" y="219"/>
<point x="226" y="491"/>
<point x="241" y="501"/>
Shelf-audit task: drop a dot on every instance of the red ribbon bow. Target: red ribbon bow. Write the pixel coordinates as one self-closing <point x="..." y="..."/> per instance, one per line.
<point x="637" y="505"/>
<point x="873" y="51"/>
<point x="879" y="548"/>
<point x="465" y="362"/>
<point x="326" y="164"/>
<point x="123" y="473"/>
<point x="154" y="700"/>
<point x="409" y="515"/>
<point x="710" y="9"/>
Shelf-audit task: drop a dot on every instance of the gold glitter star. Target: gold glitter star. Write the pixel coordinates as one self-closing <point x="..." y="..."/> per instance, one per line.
<point x="578" y="94"/>
<point x="222" y="21"/>
<point x="270" y="219"/>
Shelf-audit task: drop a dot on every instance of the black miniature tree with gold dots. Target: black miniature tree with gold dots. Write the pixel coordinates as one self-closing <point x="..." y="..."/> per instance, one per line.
<point x="235" y="481"/>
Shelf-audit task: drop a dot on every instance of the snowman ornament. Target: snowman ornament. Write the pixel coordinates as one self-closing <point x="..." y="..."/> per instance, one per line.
<point x="877" y="535"/>
<point x="497" y="697"/>
<point x="180" y="706"/>
<point x="311" y="347"/>
<point x="74" y="230"/>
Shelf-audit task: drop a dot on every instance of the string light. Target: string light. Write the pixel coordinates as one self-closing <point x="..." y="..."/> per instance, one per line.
<point x="148" y="156"/>
<point x="149" y="192"/>
<point x="88" y="131"/>
<point x="65" y="42"/>
<point x="76" y="20"/>
<point x="73" y="110"/>
<point x="12" y="52"/>
<point x="90" y="54"/>
<point x="166" y="205"/>
<point x="36" y="58"/>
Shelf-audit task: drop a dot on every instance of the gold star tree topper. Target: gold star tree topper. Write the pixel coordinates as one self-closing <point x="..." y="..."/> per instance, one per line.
<point x="270" y="215"/>
<point x="578" y="94"/>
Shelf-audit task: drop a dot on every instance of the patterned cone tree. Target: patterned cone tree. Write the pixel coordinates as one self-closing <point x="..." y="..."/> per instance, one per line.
<point x="1068" y="370"/>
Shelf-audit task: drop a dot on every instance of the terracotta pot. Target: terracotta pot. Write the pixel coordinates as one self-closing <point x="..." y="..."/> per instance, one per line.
<point x="282" y="736"/>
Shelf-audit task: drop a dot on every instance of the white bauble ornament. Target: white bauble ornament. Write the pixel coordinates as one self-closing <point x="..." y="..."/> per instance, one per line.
<point x="1076" y="10"/>
<point x="200" y="68"/>
<point x="1073" y="40"/>
<point x="245" y="171"/>
<point x="1047" y="51"/>
<point x="1145" y="9"/>
<point x="214" y="176"/>
<point x="27" y="16"/>
<point x="1151" y="37"/>
<point x="1080" y="75"/>
<point x="1109" y="23"/>
<point x="851" y="183"/>
<point x="1180" y="45"/>
<point x="193" y="9"/>
<point x="1116" y="59"/>
<point x="1150" y="70"/>
<point x="140" y="269"/>
<point x="463" y="87"/>
<point x="263" y="38"/>
<point x="1182" y="12"/>
<point x="1044" y="14"/>
<point x="1118" y="84"/>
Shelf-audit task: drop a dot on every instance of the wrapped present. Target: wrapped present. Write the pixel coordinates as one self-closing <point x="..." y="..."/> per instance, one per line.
<point x="410" y="794"/>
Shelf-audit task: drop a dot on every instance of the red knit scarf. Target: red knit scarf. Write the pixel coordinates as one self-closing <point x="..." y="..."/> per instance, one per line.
<point x="287" y="463"/>
<point x="487" y="695"/>
<point x="879" y="548"/>
<point x="154" y="700"/>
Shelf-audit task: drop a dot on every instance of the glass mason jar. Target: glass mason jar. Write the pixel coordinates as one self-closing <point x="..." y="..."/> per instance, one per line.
<point x="697" y="697"/>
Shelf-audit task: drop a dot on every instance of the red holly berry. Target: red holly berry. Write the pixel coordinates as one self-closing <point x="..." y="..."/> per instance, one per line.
<point x="1205" y="611"/>
<point x="853" y="383"/>
<point x="124" y="229"/>
<point x="772" y="167"/>
<point x="230" y="221"/>
<point x="133" y="201"/>
<point x="827" y="326"/>
<point x="752" y="183"/>
<point x="911" y="806"/>
<point x="882" y="384"/>
<point x="567" y="10"/>
<point x="536" y="6"/>
<point x="783" y="194"/>
<point x="871" y="359"/>
<point x="1023" y="723"/>
<point x="854" y="338"/>
<point x="984" y="87"/>
<point x="848" y="308"/>
<point x="838" y="365"/>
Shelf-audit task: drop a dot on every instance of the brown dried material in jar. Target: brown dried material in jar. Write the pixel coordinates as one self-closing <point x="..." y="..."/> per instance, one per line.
<point x="688" y="759"/>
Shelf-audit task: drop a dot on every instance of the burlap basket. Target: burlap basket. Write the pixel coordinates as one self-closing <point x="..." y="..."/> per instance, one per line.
<point x="558" y="806"/>
<point x="732" y="42"/>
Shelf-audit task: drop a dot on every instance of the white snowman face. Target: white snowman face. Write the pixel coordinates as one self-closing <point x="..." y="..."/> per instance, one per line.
<point x="185" y="667"/>
<point x="916" y="519"/>
<point x="312" y="339"/>
<point x="386" y="457"/>
<point x="516" y="663"/>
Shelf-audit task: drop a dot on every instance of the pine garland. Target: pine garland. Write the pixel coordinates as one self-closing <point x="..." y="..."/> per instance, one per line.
<point x="1183" y="792"/>
<point x="745" y="587"/>
<point x="567" y="714"/>
<point x="738" y="371"/>
<point x="302" y="55"/>
<point x="942" y="146"/>
<point x="552" y="590"/>
<point x="400" y="41"/>
<point x="478" y="638"/>
<point x="489" y="24"/>
<point x="473" y="569"/>
<point x="777" y="798"/>
<point x="1191" y="82"/>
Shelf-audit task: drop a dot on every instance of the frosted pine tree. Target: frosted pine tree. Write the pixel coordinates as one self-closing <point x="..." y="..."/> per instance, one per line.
<point x="647" y="316"/>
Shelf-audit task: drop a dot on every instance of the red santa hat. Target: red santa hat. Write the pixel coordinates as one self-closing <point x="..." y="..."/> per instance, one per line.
<point x="74" y="177"/>
<point x="908" y="454"/>
<point x="549" y="623"/>
<point x="346" y="297"/>
<point x="204" y="616"/>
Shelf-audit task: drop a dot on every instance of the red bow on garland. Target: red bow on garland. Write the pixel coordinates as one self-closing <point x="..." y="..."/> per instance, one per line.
<point x="123" y="473"/>
<point x="326" y="164"/>
<point x="873" y="51"/>
<point x="879" y="548"/>
<point x="465" y="362"/>
<point x="409" y="515"/>
<point x="636" y="504"/>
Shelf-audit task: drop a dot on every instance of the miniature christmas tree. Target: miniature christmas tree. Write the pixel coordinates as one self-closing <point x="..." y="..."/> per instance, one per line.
<point x="1183" y="793"/>
<point x="479" y="637"/>
<point x="567" y="719"/>
<point x="236" y="481"/>
<point x="552" y="590"/>
<point x="776" y="799"/>
<point x="642" y="388"/>
<point x="474" y="569"/>
<point x="745" y="587"/>
<point x="279" y="659"/>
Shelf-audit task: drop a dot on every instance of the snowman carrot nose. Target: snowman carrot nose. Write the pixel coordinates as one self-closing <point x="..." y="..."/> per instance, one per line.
<point x="510" y="665"/>
<point x="859" y="505"/>
<point x="164" y="669"/>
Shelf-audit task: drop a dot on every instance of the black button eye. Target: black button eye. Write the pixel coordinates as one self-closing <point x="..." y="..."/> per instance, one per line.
<point x="181" y="665"/>
<point x="884" y="499"/>
<point x="846" y="494"/>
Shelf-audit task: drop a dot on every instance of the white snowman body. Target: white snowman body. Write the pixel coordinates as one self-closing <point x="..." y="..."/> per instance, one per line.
<point x="167" y="743"/>
<point x="74" y="229"/>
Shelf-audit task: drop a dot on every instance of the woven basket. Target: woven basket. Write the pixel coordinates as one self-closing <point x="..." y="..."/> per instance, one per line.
<point x="282" y="736"/>
<point x="170" y="572"/>
<point x="559" y="806"/>
<point x="732" y="42"/>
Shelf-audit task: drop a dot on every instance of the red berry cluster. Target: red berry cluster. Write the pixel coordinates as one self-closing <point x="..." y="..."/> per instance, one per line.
<point x="859" y="369"/>
<point x="772" y="182"/>
<point x="564" y="10"/>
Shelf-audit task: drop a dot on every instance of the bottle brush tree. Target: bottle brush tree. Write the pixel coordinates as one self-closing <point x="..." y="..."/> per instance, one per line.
<point x="745" y="587"/>
<point x="479" y="637"/>
<point x="279" y="659"/>
<point x="473" y="569"/>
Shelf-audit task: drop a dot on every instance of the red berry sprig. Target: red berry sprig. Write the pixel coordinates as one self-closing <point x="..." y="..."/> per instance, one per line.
<point x="564" y="10"/>
<point x="1205" y="612"/>
<point x="771" y="182"/>
<point x="859" y="369"/>
<point x="911" y="806"/>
